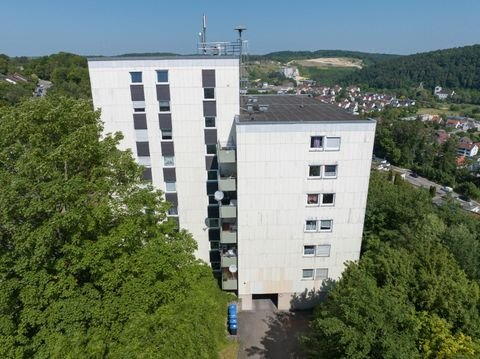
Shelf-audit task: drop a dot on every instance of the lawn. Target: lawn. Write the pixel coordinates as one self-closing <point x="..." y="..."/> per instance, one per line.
<point x="230" y="350"/>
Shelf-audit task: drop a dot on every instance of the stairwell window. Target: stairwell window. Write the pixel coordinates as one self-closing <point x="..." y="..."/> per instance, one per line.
<point x="166" y="134"/>
<point x="209" y="121"/>
<point x="169" y="161"/>
<point x="164" y="106"/>
<point x="209" y="93"/>
<point x="211" y="149"/>
<point x="170" y="186"/>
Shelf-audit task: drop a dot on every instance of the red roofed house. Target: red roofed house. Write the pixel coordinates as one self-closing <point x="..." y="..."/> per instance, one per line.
<point x="466" y="147"/>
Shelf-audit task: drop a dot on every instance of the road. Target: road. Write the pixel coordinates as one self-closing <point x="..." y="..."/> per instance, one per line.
<point x="440" y="193"/>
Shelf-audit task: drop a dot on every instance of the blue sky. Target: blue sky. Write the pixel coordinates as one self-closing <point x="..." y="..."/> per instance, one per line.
<point x="109" y="27"/>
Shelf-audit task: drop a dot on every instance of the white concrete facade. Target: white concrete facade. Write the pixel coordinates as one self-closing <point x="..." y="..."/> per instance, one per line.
<point x="273" y="182"/>
<point x="111" y="80"/>
<point x="265" y="234"/>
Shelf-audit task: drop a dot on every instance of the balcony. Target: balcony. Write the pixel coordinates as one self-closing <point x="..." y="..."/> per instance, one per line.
<point x="226" y="155"/>
<point x="229" y="284"/>
<point x="229" y="211"/>
<point x="229" y="279"/>
<point x="228" y="237"/>
<point x="227" y="184"/>
<point x="227" y="261"/>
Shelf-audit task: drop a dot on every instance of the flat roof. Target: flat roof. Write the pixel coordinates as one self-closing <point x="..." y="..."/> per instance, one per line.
<point x="167" y="57"/>
<point x="290" y="108"/>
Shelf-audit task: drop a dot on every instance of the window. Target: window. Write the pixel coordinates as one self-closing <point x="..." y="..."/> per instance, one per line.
<point x="215" y="245"/>
<point x="139" y="109"/>
<point x="314" y="171"/>
<point x="173" y="211"/>
<point x="316" y="142"/>
<point x="330" y="171"/>
<point x="143" y="149"/>
<point x="209" y="121"/>
<point x="162" y="75"/>
<point x="307" y="273"/>
<point x="164" y="106"/>
<point x="136" y="77"/>
<point x="212" y="200"/>
<point x="312" y="199"/>
<point x="328" y="199"/>
<point x="321" y="273"/>
<point x="211" y="149"/>
<point x="326" y="225"/>
<point x="308" y="250"/>
<point x="209" y="93"/>
<point x="213" y="223"/>
<point x="166" y="134"/>
<point x="212" y="175"/>
<point x="170" y="186"/>
<point x="169" y="161"/>
<point x="311" y="226"/>
<point x="322" y="250"/>
<point x="332" y="144"/>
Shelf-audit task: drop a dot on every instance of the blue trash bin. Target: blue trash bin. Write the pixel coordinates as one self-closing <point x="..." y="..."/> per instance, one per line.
<point x="233" y="329"/>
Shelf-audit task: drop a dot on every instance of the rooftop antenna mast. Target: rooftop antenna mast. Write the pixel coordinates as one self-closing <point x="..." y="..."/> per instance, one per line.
<point x="243" y="59"/>
<point x="204" y="32"/>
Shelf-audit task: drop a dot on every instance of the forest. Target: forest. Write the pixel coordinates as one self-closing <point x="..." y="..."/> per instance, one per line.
<point x="455" y="68"/>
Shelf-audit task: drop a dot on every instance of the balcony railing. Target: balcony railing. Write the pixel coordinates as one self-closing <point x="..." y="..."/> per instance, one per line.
<point x="228" y="237"/>
<point x="227" y="183"/>
<point x="226" y="155"/>
<point x="227" y="261"/>
<point x="228" y="211"/>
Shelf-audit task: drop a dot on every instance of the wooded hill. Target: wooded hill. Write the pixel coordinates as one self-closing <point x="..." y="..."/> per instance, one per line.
<point x="286" y="56"/>
<point x="451" y="68"/>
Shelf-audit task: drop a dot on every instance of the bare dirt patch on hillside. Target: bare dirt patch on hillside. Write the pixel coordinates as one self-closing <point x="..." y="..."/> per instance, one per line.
<point x="331" y="62"/>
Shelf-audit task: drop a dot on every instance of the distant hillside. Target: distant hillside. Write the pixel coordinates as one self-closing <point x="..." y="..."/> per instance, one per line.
<point x="456" y="68"/>
<point x="286" y="56"/>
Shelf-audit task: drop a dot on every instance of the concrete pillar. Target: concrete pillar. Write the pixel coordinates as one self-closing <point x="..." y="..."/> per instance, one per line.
<point x="246" y="302"/>
<point x="284" y="301"/>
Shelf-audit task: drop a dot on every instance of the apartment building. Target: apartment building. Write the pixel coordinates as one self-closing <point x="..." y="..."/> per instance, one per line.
<point x="273" y="188"/>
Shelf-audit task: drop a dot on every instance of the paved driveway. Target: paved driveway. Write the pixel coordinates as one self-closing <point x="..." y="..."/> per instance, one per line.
<point x="268" y="333"/>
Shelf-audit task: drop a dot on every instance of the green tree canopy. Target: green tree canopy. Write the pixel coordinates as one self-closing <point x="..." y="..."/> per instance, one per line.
<point x="89" y="266"/>
<point x="407" y="297"/>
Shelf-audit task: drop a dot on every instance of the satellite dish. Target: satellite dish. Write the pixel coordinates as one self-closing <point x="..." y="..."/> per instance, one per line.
<point x="218" y="195"/>
<point x="232" y="268"/>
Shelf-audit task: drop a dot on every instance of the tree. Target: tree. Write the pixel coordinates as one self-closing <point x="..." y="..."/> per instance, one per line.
<point x="89" y="265"/>
<point x="407" y="296"/>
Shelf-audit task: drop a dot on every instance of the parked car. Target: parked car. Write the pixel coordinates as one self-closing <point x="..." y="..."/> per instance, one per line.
<point x="413" y="174"/>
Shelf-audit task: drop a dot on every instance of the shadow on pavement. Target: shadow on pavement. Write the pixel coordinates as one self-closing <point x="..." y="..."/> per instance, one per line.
<point x="281" y="340"/>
